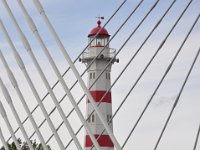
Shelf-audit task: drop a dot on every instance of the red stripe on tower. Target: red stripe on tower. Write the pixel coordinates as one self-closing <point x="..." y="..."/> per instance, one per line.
<point x="103" y="140"/>
<point x="98" y="95"/>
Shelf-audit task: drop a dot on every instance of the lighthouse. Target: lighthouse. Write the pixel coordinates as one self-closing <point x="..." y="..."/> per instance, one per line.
<point x="99" y="47"/>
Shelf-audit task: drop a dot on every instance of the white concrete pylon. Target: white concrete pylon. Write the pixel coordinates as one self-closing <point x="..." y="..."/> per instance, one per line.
<point x="3" y="140"/>
<point x="61" y="112"/>
<point x="23" y="69"/>
<point x="4" y="115"/>
<point x="27" y="46"/>
<point x="10" y="103"/>
<point x="15" y="85"/>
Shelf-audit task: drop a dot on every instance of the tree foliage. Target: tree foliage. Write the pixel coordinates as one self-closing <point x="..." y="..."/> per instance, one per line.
<point x="24" y="145"/>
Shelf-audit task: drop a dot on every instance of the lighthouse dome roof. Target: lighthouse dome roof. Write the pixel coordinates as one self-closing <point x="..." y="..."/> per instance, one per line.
<point x="95" y="30"/>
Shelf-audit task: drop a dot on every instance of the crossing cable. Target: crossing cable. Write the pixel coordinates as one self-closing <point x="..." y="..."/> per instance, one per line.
<point x="23" y="69"/>
<point x="21" y="97"/>
<point x="166" y="72"/>
<point x="117" y="52"/>
<point x="94" y="58"/>
<point x="5" y="117"/>
<point x="3" y="140"/>
<point x="197" y="138"/>
<point x="8" y="9"/>
<point x="13" y="109"/>
<point x="179" y="94"/>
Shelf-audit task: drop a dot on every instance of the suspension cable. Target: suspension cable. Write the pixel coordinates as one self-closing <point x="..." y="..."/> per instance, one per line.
<point x="197" y="138"/>
<point x="21" y="97"/>
<point x="25" y="73"/>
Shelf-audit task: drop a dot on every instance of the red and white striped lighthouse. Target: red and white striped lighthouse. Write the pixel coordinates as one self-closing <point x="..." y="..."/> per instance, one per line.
<point x="100" y="87"/>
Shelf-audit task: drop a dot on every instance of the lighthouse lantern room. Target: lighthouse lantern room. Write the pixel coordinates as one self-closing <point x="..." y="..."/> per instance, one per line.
<point x="99" y="49"/>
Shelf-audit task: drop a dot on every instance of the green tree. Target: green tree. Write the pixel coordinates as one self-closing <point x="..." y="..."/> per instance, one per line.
<point x="24" y="145"/>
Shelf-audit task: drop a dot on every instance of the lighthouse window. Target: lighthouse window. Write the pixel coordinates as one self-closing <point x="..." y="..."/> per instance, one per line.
<point x="108" y="118"/>
<point x="107" y="75"/>
<point x="92" y="118"/>
<point x="99" y="42"/>
<point x="93" y="75"/>
<point x="93" y="42"/>
<point x="103" y="42"/>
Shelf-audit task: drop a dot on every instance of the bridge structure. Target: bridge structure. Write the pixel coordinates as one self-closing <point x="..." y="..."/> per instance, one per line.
<point x="155" y="85"/>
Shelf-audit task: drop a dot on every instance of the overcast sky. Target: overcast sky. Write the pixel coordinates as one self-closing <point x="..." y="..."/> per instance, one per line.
<point x="73" y="20"/>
